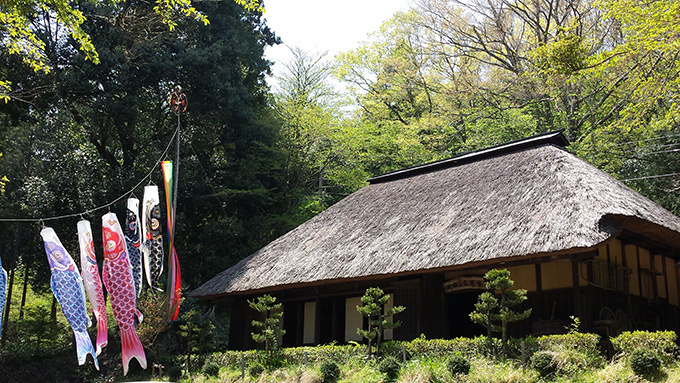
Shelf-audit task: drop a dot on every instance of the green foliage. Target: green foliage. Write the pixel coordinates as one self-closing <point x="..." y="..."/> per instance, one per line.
<point x="270" y="327"/>
<point x="662" y="343"/>
<point x="645" y="362"/>
<point x="495" y="314"/>
<point x="379" y="317"/>
<point x="564" y="55"/>
<point x="330" y="372"/>
<point x="175" y="373"/>
<point x="543" y="363"/>
<point x="582" y="342"/>
<point x="458" y="365"/>
<point x="255" y="370"/>
<point x="390" y="366"/>
<point x="211" y="369"/>
<point x="575" y="325"/>
<point x="196" y="331"/>
<point x="38" y="326"/>
<point x="569" y="354"/>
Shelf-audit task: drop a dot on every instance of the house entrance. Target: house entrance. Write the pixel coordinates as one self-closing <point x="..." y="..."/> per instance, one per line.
<point x="460" y="305"/>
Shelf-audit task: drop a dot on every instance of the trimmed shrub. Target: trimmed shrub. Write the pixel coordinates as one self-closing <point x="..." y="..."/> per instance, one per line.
<point x="390" y="367"/>
<point x="330" y="372"/>
<point x="542" y="362"/>
<point x="581" y="342"/>
<point x="458" y="365"/>
<point x="211" y="369"/>
<point x="645" y="362"/>
<point x="661" y="343"/>
<point x="255" y="370"/>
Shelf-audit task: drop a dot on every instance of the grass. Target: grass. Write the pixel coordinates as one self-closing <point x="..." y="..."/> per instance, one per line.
<point x="576" y="360"/>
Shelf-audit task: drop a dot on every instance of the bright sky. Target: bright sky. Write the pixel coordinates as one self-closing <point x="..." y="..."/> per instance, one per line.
<point x="317" y="26"/>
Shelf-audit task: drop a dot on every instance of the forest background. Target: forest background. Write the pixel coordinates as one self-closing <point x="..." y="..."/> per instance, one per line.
<point x="79" y="129"/>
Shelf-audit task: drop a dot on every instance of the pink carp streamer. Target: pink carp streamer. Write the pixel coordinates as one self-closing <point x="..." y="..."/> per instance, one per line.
<point x="92" y="282"/>
<point x="119" y="284"/>
<point x="67" y="286"/>
<point x="174" y="272"/>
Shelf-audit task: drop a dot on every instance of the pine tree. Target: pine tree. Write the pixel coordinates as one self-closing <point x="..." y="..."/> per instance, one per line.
<point x="269" y="328"/>
<point x="373" y="303"/>
<point x="493" y="314"/>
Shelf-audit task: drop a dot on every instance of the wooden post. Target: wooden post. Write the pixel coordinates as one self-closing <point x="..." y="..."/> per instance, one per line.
<point x="403" y="353"/>
<point x="243" y="366"/>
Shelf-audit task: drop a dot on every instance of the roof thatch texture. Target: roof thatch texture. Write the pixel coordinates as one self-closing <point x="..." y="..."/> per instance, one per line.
<point x="534" y="201"/>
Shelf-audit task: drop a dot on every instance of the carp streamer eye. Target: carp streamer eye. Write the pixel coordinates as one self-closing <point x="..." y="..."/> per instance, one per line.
<point x="154" y="224"/>
<point x="110" y="245"/>
<point x="57" y="255"/>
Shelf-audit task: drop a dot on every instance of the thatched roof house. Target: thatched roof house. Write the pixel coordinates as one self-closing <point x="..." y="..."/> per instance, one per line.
<point x="528" y="205"/>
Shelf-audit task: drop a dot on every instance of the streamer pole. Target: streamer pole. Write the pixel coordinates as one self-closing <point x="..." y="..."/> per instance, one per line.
<point x="178" y="104"/>
<point x="176" y="176"/>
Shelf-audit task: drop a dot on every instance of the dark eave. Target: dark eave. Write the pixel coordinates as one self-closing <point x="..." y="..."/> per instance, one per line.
<point x="552" y="138"/>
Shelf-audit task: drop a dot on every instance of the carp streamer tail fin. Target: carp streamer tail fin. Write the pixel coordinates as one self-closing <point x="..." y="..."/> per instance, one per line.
<point x="83" y="347"/>
<point x="132" y="348"/>
<point x="102" y="333"/>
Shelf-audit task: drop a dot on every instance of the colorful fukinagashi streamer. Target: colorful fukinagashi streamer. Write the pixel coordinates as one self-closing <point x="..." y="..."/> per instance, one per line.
<point x="153" y="241"/>
<point x="67" y="286"/>
<point x="133" y="241"/>
<point x="3" y="293"/>
<point x="120" y="286"/>
<point x="174" y="272"/>
<point x="92" y="282"/>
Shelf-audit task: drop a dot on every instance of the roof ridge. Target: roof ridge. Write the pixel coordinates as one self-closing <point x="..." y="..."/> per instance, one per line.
<point x="556" y="138"/>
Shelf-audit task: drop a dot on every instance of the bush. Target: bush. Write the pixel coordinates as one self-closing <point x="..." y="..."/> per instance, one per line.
<point x="542" y="362"/>
<point x="255" y="370"/>
<point x="661" y="343"/>
<point x="584" y="343"/>
<point x="211" y="369"/>
<point x="458" y="365"/>
<point x="174" y="373"/>
<point x="330" y="372"/>
<point x="645" y="363"/>
<point x="390" y="366"/>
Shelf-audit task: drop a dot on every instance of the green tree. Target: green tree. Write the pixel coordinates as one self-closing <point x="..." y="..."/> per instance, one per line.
<point x="269" y="329"/>
<point x="495" y="314"/>
<point x="196" y="330"/>
<point x="25" y="23"/>
<point x="379" y="318"/>
<point x="94" y="130"/>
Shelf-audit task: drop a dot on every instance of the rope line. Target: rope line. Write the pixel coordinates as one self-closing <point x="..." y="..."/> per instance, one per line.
<point x="107" y="205"/>
<point x="650" y="177"/>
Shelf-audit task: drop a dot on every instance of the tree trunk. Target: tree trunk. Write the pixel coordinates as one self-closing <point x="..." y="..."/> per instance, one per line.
<point x="23" y="293"/>
<point x="53" y="311"/>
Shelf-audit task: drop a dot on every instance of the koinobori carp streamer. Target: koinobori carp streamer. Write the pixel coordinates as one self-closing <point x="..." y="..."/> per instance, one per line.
<point x="3" y="293"/>
<point x="153" y="241"/>
<point x="119" y="284"/>
<point x="92" y="281"/>
<point x="67" y="286"/>
<point x="133" y="242"/>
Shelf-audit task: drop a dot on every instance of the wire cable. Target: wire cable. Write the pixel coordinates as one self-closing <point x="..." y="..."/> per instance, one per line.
<point x="650" y="177"/>
<point x="107" y="205"/>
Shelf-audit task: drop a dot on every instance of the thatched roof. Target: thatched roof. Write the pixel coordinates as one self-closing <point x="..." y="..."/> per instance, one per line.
<point x="527" y="198"/>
